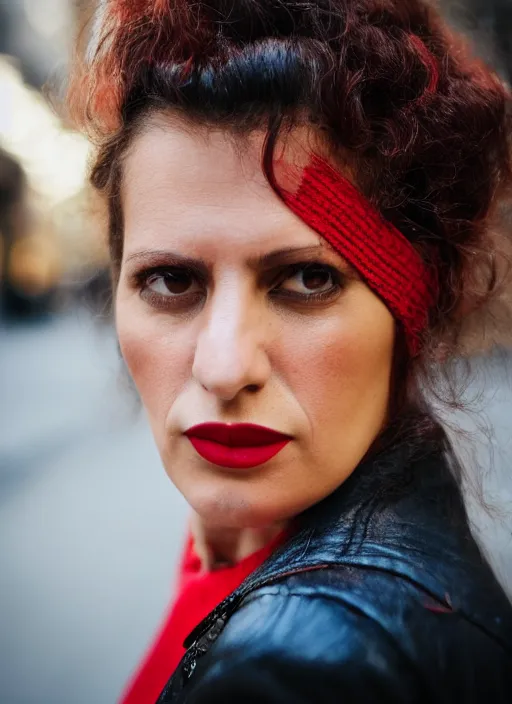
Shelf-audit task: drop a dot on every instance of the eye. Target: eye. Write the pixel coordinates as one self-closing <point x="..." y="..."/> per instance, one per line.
<point x="311" y="278"/>
<point x="176" y="288"/>
<point x="171" y="282"/>
<point x="310" y="282"/>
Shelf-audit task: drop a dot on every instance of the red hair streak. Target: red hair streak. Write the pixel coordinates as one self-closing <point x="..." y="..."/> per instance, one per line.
<point x="429" y="61"/>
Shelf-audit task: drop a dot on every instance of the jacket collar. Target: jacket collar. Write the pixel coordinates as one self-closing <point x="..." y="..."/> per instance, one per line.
<point x="401" y="512"/>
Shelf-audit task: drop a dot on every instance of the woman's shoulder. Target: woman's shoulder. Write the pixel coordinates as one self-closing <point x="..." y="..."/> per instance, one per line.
<point x="370" y="634"/>
<point x="417" y="535"/>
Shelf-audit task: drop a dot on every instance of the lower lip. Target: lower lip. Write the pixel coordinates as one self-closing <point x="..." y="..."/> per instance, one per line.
<point x="236" y="457"/>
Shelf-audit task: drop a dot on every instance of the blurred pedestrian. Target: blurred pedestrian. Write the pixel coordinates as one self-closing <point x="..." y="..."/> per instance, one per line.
<point x="29" y="260"/>
<point x="13" y="188"/>
<point x="300" y="197"/>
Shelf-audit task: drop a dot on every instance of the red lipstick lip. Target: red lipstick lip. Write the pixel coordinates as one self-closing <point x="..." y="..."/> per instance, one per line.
<point x="236" y="434"/>
<point x="240" y="446"/>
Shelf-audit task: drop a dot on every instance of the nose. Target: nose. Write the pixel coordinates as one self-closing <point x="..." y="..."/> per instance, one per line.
<point x="230" y="353"/>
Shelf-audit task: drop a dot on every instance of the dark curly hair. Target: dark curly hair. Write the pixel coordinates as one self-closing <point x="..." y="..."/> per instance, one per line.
<point x="397" y="96"/>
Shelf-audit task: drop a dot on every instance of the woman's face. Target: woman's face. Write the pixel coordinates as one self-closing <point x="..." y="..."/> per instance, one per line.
<point x="230" y="309"/>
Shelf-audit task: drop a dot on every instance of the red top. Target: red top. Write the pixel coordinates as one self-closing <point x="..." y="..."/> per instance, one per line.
<point x="198" y="593"/>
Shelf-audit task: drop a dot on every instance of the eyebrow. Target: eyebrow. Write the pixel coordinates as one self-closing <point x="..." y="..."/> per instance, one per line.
<point x="264" y="261"/>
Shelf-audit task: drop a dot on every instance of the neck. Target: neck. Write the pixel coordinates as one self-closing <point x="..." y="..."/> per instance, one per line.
<point x="219" y="546"/>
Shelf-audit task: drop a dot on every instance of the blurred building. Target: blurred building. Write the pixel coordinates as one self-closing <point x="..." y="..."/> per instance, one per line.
<point x="58" y="244"/>
<point x="490" y="23"/>
<point x="38" y="33"/>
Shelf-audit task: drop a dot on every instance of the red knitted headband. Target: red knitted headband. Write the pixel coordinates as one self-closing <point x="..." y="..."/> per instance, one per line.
<point x="392" y="268"/>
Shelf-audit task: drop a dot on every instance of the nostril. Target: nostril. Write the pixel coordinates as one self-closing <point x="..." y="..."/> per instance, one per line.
<point x="252" y="387"/>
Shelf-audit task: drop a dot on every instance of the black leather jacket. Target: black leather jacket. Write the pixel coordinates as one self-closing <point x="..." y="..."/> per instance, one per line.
<point x="381" y="596"/>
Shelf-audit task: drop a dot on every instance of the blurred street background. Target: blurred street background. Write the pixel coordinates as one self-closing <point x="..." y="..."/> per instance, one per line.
<point x="90" y="526"/>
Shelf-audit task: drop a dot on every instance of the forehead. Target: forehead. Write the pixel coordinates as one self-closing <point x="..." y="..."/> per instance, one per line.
<point x="201" y="187"/>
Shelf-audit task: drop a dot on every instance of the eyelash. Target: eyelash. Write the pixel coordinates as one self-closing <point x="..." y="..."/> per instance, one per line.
<point x="157" y="300"/>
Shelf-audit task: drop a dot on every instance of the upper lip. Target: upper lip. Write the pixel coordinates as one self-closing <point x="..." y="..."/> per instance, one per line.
<point x="236" y="434"/>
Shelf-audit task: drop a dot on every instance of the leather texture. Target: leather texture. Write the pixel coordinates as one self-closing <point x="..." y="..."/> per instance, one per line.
<point x="381" y="595"/>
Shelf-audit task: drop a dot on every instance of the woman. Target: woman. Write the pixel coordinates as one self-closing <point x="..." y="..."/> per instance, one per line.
<point x="299" y="197"/>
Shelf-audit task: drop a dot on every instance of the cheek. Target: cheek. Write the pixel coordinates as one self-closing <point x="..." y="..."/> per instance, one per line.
<point x="156" y="357"/>
<point x="342" y="372"/>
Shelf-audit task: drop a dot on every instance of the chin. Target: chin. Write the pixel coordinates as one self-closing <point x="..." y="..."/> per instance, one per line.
<point x="233" y="508"/>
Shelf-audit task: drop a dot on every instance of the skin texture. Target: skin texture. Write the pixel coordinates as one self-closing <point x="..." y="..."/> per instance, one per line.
<point x="234" y="349"/>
